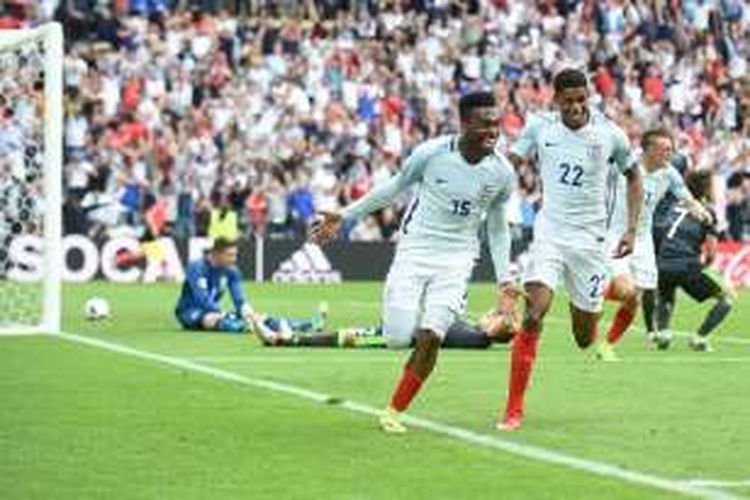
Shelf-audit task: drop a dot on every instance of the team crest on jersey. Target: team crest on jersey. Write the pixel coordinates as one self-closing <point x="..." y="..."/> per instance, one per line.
<point x="595" y="151"/>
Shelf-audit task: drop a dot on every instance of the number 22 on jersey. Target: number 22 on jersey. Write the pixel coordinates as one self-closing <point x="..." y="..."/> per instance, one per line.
<point x="571" y="175"/>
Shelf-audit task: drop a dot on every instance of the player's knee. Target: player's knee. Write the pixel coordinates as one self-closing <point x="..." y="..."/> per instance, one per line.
<point x="726" y="300"/>
<point x="533" y="321"/>
<point x="632" y="299"/>
<point x="209" y="321"/>
<point x="399" y="326"/>
<point x="397" y="342"/>
<point x="427" y="340"/>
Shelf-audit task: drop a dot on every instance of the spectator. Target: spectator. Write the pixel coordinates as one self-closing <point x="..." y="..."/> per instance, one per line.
<point x="185" y="226"/>
<point x="257" y="208"/>
<point x="159" y="95"/>
<point x="223" y="222"/>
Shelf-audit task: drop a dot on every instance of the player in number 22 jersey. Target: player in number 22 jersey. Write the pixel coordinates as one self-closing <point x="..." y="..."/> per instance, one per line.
<point x="574" y="148"/>
<point x="458" y="180"/>
<point x="633" y="274"/>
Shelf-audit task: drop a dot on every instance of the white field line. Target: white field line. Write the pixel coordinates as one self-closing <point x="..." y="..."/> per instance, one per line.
<point x="717" y="483"/>
<point x="282" y="360"/>
<point x="536" y="453"/>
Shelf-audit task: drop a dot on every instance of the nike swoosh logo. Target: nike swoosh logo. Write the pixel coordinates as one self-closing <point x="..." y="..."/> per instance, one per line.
<point x="441" y="181"/>
<point x="550" y="144"/>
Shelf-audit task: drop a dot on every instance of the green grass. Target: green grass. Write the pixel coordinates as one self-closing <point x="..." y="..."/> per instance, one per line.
<point x="80" y="422"/>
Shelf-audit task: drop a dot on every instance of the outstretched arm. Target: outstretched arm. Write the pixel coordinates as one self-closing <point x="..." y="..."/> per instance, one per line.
<point x="234" y="283"/>
<point x="327" y="228"/>
<point x="621" y="158"/>
<point x="697" y="209"/>
<point x="379" y="197"/>
<point x="499" y="240"/>
<point x="679" y="189"/>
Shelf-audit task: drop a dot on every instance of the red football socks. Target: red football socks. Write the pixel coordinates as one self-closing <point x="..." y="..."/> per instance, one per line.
<point x="407" y="388"/>
<point x="622" y="321"/>
<point x="522" y="361"/>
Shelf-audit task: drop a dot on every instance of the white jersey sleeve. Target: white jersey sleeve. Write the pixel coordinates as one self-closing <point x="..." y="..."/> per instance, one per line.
<point x="526" y="144"/>
<point x="498" y="231"/>
<point x="411" y="173"/>
<point x="677" y="184"/>
<point x="621" y="150"/>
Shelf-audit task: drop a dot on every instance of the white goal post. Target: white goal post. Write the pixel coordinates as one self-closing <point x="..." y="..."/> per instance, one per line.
<point x="31" y="156"/>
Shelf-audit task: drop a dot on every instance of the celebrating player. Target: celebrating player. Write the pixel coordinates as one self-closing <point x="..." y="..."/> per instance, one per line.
<point x="682" y="263"/>
<point x="198" y="307"/>
<point x="574" y="148"/>
<point x="458" y="179"/>
<point x="681" y="162"/>
<point x="637" y="272"/>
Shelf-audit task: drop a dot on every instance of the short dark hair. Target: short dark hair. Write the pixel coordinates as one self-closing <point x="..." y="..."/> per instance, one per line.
<point x="570" y="78"/>
<point x="221" y="244"/>
<point x="474" y="100"/>
<point x="698" y="183"/>
<point x="651" y="134"/>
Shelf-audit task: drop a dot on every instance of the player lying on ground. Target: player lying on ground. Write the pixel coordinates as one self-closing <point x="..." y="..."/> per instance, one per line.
<point x="491" y="328"/>
<point x="574" y="148"/>
<point x="637" y="272"/>
<point x="458" y="179"/>
<point x="684" y="254"/>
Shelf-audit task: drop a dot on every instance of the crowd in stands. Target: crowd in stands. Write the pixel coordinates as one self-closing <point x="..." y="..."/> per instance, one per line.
<point x="232" y="117"/>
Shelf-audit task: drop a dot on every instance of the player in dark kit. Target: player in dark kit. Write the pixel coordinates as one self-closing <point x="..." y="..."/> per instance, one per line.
<point x="683" y="256"/>
<point x="490" y="329"/>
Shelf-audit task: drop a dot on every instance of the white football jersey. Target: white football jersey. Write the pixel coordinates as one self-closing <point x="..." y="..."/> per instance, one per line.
<point x="574" y="167"/>
<point x="451" y="199"/>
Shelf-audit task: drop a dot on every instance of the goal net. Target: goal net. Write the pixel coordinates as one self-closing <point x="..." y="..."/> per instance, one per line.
<point x="31" y="63"/>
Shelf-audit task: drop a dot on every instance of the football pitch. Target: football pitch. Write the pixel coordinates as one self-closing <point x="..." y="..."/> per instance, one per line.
<point x="133" y="407"/>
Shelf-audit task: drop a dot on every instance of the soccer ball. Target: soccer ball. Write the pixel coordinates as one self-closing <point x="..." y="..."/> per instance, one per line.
<point x="96" y="308"/>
